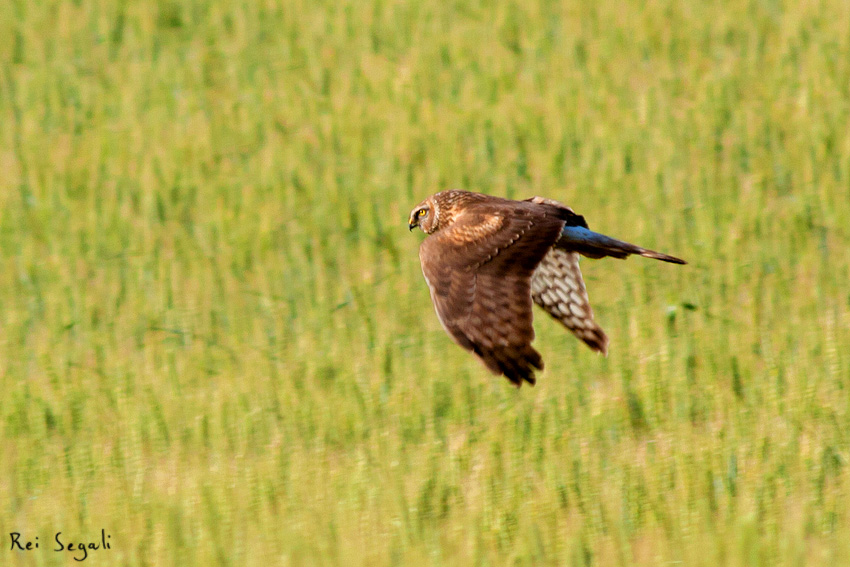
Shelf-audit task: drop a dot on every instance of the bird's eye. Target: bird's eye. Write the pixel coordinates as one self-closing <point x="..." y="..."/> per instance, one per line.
<point x="421" y="212"/>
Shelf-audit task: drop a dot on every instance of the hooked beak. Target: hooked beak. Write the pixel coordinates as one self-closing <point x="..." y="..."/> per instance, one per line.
<point x="412" y="223"/>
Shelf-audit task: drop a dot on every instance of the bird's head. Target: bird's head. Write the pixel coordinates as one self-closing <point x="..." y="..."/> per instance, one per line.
<point x="424" y="215"/>
<point x="439" y="210"/>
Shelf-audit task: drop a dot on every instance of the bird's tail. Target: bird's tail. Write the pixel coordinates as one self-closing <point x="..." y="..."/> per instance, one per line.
<point x="594" y="245"/>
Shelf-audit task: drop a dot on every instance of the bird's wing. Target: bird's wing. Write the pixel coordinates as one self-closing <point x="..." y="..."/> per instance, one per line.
<point x="577" y="237"/>
<point x="594" y="245"/>
<point x="479" y="272"/>
<point x="557" y="287"/>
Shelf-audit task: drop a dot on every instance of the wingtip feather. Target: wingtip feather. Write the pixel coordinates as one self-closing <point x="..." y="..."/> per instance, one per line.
<point x="663" y="257"/>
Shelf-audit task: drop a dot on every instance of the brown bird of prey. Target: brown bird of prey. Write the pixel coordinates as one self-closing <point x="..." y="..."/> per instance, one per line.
<point x="487" y="258"/>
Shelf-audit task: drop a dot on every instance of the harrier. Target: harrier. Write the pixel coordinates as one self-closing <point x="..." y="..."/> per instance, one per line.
<point x="487" y="258"/>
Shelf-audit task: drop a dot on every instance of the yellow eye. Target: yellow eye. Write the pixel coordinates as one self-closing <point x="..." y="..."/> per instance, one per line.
<point x="421" y="212"/>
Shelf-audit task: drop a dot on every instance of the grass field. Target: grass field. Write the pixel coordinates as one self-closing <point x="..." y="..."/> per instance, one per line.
<point x="217" y="346"/>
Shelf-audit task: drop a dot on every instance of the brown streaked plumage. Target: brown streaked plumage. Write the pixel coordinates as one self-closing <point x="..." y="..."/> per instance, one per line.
<point x="486" y="259"/>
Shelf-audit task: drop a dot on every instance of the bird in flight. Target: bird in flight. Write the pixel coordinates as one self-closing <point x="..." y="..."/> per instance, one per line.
<point x="487" y="258"/>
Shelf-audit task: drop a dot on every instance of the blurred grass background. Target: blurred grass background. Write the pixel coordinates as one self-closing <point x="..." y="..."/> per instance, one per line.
<point x="216" y="343"/>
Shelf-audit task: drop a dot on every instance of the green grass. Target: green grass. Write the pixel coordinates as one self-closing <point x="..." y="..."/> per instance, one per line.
<point x="216" y="343"/>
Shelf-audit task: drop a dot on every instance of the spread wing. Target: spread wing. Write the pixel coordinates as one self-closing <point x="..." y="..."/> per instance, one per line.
<point x="479" y="271"/>
<point x="577" y="237"/>
<point x="557" y="287"/>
